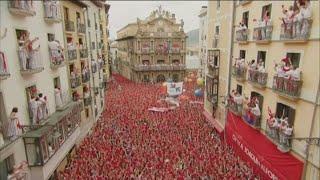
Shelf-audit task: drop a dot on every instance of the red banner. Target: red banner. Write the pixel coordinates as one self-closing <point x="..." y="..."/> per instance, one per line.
<point x="260" y="152"/>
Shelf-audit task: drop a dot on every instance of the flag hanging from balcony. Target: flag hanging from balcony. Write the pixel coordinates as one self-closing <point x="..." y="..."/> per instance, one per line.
<point x="174" y="89"/>
<point x="255" y="148"/>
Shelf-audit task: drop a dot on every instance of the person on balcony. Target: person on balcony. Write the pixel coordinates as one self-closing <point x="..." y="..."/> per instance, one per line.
<point x="43" y="106"/>
<point x="22" y="52"/>
<point x="56" y="51"/>
<point x="304" y="18"/>
<point x="14" y="126"/>
<point x="3" y="61"/>
<point x="287" y="20"/>
<point x="252" y="68"/>
<point x="31" y="52"/>
<point x="256" y="112"/>
<point x="238" y="99"/>
<point x="58" y="96"/>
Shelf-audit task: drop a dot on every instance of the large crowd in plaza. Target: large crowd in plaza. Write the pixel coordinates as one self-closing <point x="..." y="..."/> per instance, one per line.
<point x="128" y="141"/>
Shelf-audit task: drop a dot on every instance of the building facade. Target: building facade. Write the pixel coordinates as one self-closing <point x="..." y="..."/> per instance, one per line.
<point x="152" y="50"/>
<point x="216" y="63"/>
<point x="272" y="79"/>
<point x="203" y="24"/>
<point x="46" y="84"/>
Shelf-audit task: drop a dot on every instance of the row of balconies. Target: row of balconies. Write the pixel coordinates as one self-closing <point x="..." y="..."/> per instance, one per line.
<point x="283" y="86"/>
<point x="160" y="67"/>
<point x="162" y="34"/>
<point x="291" y="31"/>
<point x="25" y="8"/>
<point x="43" y="142"/>
<point x="277" y="134"/>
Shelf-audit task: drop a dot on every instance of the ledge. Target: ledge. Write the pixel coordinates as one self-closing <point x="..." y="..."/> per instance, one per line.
<point x="4" y="76"/>
<point x="31" y="71"/>
<point x="22" y="12"/>
<point x="52" y="20"/>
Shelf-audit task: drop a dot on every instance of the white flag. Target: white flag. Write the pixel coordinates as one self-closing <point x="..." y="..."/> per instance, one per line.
<point x="174" y="89"/>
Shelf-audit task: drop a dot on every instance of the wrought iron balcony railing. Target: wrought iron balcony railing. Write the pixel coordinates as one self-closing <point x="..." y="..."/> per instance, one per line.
<point x="257" y="78"/>
<point x="21" y="7"/>
<point x="242" y="35"/>
<point x="81" y="28"/>
<point x="287" y="87"/>
<point x="72" y="54"/>
<point x="75" y="82"/>
<point x="56" y="57"/>
<point x="298" y="30"/>
<point x="239" y="73"/>
<point x="69" y="25"/>
<point x="263" y="33"/>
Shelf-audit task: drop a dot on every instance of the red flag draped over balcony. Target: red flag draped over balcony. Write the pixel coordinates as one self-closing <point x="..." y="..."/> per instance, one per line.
<point x="260" y="152"/>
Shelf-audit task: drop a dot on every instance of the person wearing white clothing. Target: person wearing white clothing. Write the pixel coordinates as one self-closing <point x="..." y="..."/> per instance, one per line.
<point x="34" y="110"/>
<point x="58" y="96"/>
<point x="13" y="125"/>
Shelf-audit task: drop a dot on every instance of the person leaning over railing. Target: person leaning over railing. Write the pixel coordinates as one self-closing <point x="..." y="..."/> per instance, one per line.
<point x="292" y="79"/>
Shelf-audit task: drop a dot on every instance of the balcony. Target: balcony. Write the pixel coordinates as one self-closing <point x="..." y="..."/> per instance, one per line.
<point x="239" y="73"/>
<point x="72" y="55"/>
<point x="75" y="82"/>
<point x="6" y="140"/>
<point x="69" y="25"/>
<point x="244" y="2"/>
<point x="47" y="146"/>
<point x="262" y="34"/>
<point x="30" y="62"/>
<point x="242" y="36"/>
<point x="83" y="53"/>
<point x="235" y="108"/>
<point x="85" y="77"/>
<point x="4" y="70"/>
<point x="288" y="88"/>
<point x="296" y="32"/>
<point x="21" y="8"/>
<point x="56" y="58"/>
<point x="87" y="101"/>
<point x="160" y="67"/>
<point x="279" y="137"/>
<point x="174" y="50"/>
<point x="257" y="79"/>
<point x="81" y="28"/>
<point x="51" y="12"/>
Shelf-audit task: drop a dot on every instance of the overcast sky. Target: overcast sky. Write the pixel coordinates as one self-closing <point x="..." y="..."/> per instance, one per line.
<point x="123" y="12"/>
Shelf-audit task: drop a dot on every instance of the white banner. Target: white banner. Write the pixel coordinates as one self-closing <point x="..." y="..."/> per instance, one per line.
<point x="174" y="89"/>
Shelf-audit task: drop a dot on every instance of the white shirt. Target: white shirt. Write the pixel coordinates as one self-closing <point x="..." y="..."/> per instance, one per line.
<point x="288" y="131"/>
<point x="256" y="110"/>
<point x="238" y="99"/>
<point x="305" y="12"/>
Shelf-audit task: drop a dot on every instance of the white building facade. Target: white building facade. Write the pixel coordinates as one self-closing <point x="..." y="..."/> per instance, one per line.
<point x="203" y="30"/>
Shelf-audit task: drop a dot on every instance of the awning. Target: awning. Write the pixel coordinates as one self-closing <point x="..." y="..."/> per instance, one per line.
<point x="213" y="122"/>
<point x="254" y="147"/>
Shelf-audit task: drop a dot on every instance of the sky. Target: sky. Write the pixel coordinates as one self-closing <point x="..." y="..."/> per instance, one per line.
<point x="123" y="12"/>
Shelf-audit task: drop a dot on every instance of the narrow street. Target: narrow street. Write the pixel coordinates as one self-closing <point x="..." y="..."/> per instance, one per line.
<point x="131" y="142"/>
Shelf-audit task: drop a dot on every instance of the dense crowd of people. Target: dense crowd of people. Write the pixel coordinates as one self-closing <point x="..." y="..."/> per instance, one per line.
<point x="128" y="141"/>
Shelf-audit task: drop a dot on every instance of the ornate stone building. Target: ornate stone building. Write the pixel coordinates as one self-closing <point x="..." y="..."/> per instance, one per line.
<point x="153" y="50"/>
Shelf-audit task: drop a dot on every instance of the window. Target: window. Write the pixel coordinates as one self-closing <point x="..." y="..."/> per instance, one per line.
<point x="217" y="31"/>
<point x="87" y="112"/>
<point x="295" y="58"/>
<point x="212" y="90"/>
<point x="151" y="45"/>
<point x="50" y="37"/>
<point x="56" y="82"/>
<point x="160" y="61"/>
<point x="245" y="18"/>
<point x="242" y="54"/>
<point x="261" y="56"/>
<point x="218" y="4"/>
<point x="31" y="93"/>
<point x="285" y="111"/>
<point x="93" y="45"/>
<point x="266" y="10"/>
<point x="239" y="89"/>
<point x="6" y="167"/>
<point x="66" y="13"/>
